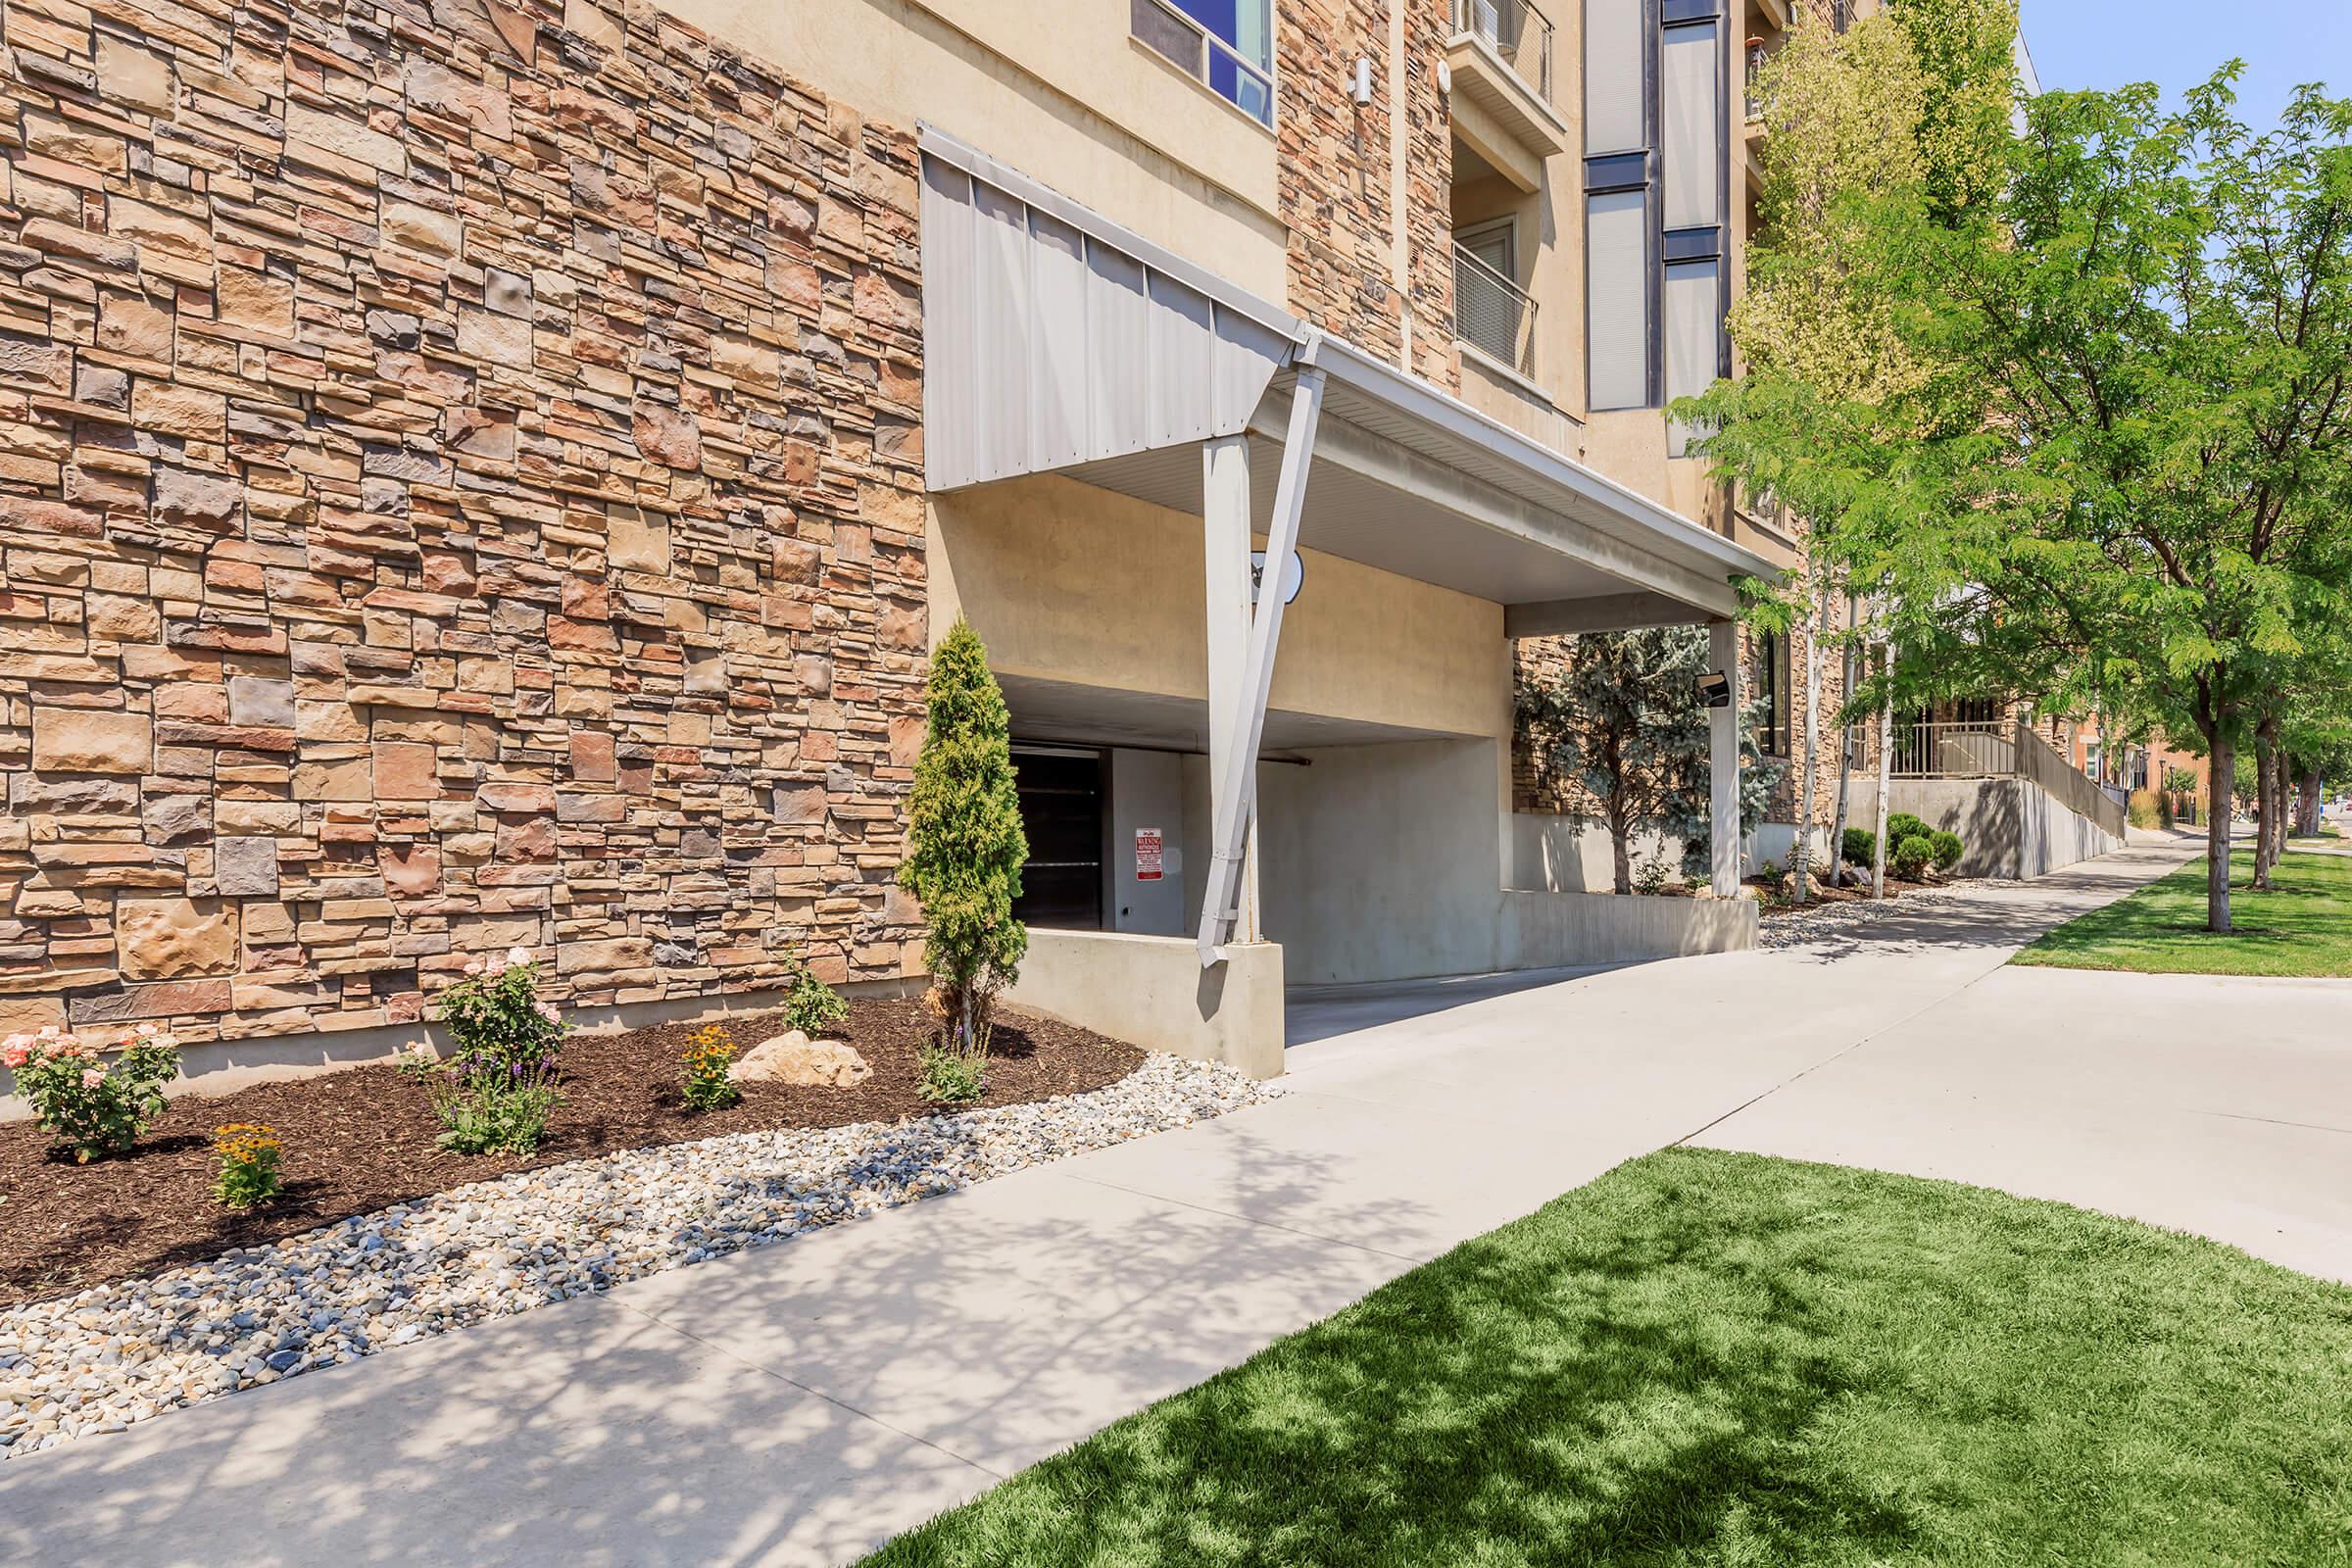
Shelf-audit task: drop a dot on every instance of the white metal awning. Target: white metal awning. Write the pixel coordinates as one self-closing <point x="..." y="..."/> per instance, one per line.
<point x="1056" y="341"/>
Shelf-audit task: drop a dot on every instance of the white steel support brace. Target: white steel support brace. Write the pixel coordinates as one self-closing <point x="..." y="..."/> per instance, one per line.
<point x="1723" y="759"/>
<point x="1244" y="728"/>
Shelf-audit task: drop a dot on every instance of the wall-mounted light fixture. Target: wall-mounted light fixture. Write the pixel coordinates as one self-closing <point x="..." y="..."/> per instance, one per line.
<point x="1361" y="89"/>
<point x="1445" y="79"/>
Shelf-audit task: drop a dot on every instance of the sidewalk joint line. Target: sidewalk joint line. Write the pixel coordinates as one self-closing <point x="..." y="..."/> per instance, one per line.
<point x="794" y="1383"/>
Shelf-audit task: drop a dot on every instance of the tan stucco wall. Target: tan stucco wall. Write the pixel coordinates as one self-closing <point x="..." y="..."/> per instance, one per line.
<point x="1059" y="92"/>
<point x="1153" y="992"/>
<point x="1065" y="581"/>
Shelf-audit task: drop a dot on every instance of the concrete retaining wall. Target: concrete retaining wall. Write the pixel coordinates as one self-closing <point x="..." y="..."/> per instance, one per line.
<point x="1151" y="991"/>
<point x="2010" y="826"/>
<point x="1389" y="862"/>
<point x="1559" y="930"/>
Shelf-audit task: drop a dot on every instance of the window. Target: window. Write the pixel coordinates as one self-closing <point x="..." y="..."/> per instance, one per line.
<point x="1657" y="284"/>
<point x="1773" y="693"/>
<point x="1229" y="44"/>
<point x="1490" y="311"/>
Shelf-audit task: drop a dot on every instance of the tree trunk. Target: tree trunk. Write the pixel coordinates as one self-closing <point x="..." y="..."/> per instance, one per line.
<point x="1878" y="852"/>
<point x="2265" y="800"/>
<point x="2223" y="750"/>
<point x="1800" y="859"/>
<point x="1846" y="756"/>
<point x="1620" y="855"/>
<point x="2309" y="805"/>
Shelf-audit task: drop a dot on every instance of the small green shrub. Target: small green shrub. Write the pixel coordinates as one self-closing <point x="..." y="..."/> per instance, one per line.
<point x="813" y="1007"/>
<point x="952" y="1078"/>
<point x="91" y="1107"/>
<point x="965" y="844"/>
<point x="1901" y="825"/>
<point x="1948" y="848"/>
<point x="1912" y="856"/>
<point x="706" y="1085"/>
<point x="1650" y="881"/>
<point x="1861" y="846"/>
<point x="249" y="1164"/>
<point x="498" y="1089"/>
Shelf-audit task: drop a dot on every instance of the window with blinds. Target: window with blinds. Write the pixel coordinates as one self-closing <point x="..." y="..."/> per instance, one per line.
<point x="1656" y="201"/>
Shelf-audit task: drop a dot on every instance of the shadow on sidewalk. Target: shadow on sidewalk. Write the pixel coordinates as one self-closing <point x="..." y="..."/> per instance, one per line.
<point x="795" y="1404"/>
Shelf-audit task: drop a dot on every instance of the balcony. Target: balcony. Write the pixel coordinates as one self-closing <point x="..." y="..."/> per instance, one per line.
<point x="1493" y="315"/>
<point x="1494" y="322"/>
<point x="1500" y="56"/>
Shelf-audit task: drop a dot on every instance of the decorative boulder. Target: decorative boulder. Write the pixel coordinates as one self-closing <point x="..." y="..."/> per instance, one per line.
<point x="794" y="1058"/>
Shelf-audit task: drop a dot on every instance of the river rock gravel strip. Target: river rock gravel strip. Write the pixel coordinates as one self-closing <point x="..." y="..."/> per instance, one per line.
<point x="104" y="1358"/>
<point x="1798" y="927"/>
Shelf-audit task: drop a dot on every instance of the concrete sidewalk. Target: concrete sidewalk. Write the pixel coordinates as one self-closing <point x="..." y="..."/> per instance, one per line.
<point x="803" y="1404"/>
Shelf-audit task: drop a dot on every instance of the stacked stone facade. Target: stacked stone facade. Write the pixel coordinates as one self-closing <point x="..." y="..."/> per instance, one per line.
<point x="459" y="489"/>
<point x="1335" y="189"/>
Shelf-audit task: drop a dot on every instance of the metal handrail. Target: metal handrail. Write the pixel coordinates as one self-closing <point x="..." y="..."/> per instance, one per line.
<point x="1958" y="749"/>
<point x="1504" y="24"/>
<point x="1492" y="313"/>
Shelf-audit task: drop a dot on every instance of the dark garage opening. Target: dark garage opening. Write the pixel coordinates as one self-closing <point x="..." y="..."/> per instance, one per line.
<point x="1061" y="792"/>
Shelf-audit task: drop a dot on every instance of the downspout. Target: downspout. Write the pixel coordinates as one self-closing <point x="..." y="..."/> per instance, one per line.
<point x="1401" y="249"/>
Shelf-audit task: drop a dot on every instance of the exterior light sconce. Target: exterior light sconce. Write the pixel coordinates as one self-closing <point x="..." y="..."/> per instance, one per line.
<point x="1715" y="690"/>
<point x="1445" y="79"/>
<point x="1360" y="86"/>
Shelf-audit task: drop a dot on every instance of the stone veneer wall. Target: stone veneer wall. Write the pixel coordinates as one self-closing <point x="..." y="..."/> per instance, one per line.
<point x="1334" y="177"/>
<point x="1538" y="656"/>
<point x="459" y="488"/>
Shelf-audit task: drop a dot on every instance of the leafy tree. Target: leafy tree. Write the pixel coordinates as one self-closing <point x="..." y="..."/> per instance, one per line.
<point x="2116" y="469"/>
<point x="965" y="844"/>
<point x="1618" y="731"/>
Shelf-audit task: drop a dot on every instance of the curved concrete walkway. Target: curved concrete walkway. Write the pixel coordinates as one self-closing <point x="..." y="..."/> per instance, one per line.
<point x="803" y="1404"/>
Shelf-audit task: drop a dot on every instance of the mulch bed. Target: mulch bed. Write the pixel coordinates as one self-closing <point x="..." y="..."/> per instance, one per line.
<point x="1846" y="893"/>
<point x="362" y="1139"/>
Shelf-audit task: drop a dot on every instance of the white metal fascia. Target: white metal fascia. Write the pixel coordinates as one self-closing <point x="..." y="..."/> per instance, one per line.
<point x="1449" y="417"/>
<point x="937" y="143"/>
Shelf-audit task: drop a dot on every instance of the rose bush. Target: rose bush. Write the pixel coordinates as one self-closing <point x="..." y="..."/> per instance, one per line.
<point x="498" y="1087"/>
<point x="94" y="1108"/>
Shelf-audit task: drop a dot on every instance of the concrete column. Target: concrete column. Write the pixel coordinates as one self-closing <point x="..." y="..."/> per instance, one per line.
<point x="1227" y="539"/>
<point x="1723" y="753"/>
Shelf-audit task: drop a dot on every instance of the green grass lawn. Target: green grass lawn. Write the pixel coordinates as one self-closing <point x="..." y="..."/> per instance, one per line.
<point x="2302" y="927"/>
<point x="1709" y="1359"/>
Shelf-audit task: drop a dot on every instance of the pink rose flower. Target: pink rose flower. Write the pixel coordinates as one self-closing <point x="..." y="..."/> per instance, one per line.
<point x="476" y="967"/>
<point x="16" y="1055"/>
<point x="518" y="956"/>
<point x="91" y="1078"/>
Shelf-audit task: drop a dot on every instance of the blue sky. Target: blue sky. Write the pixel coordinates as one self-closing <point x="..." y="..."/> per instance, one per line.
<point x="2106" y="43"/>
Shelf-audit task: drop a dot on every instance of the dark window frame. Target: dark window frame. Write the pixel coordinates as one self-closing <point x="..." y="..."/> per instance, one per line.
<point x="1774" y="678"/>
<point x="1624" y="169"/>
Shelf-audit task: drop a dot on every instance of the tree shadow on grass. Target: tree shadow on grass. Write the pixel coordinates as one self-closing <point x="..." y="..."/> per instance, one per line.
<point x="1509" y="1404"/>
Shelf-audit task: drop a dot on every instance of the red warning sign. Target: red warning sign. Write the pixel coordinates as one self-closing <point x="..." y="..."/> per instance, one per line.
<point x="1148" y="857"/>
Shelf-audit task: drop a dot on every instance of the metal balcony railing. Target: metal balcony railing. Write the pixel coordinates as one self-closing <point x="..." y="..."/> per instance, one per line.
<point x="1519" y="32"/>
<point x="1960" y="749"/>
<point x="1492" y="313"/>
